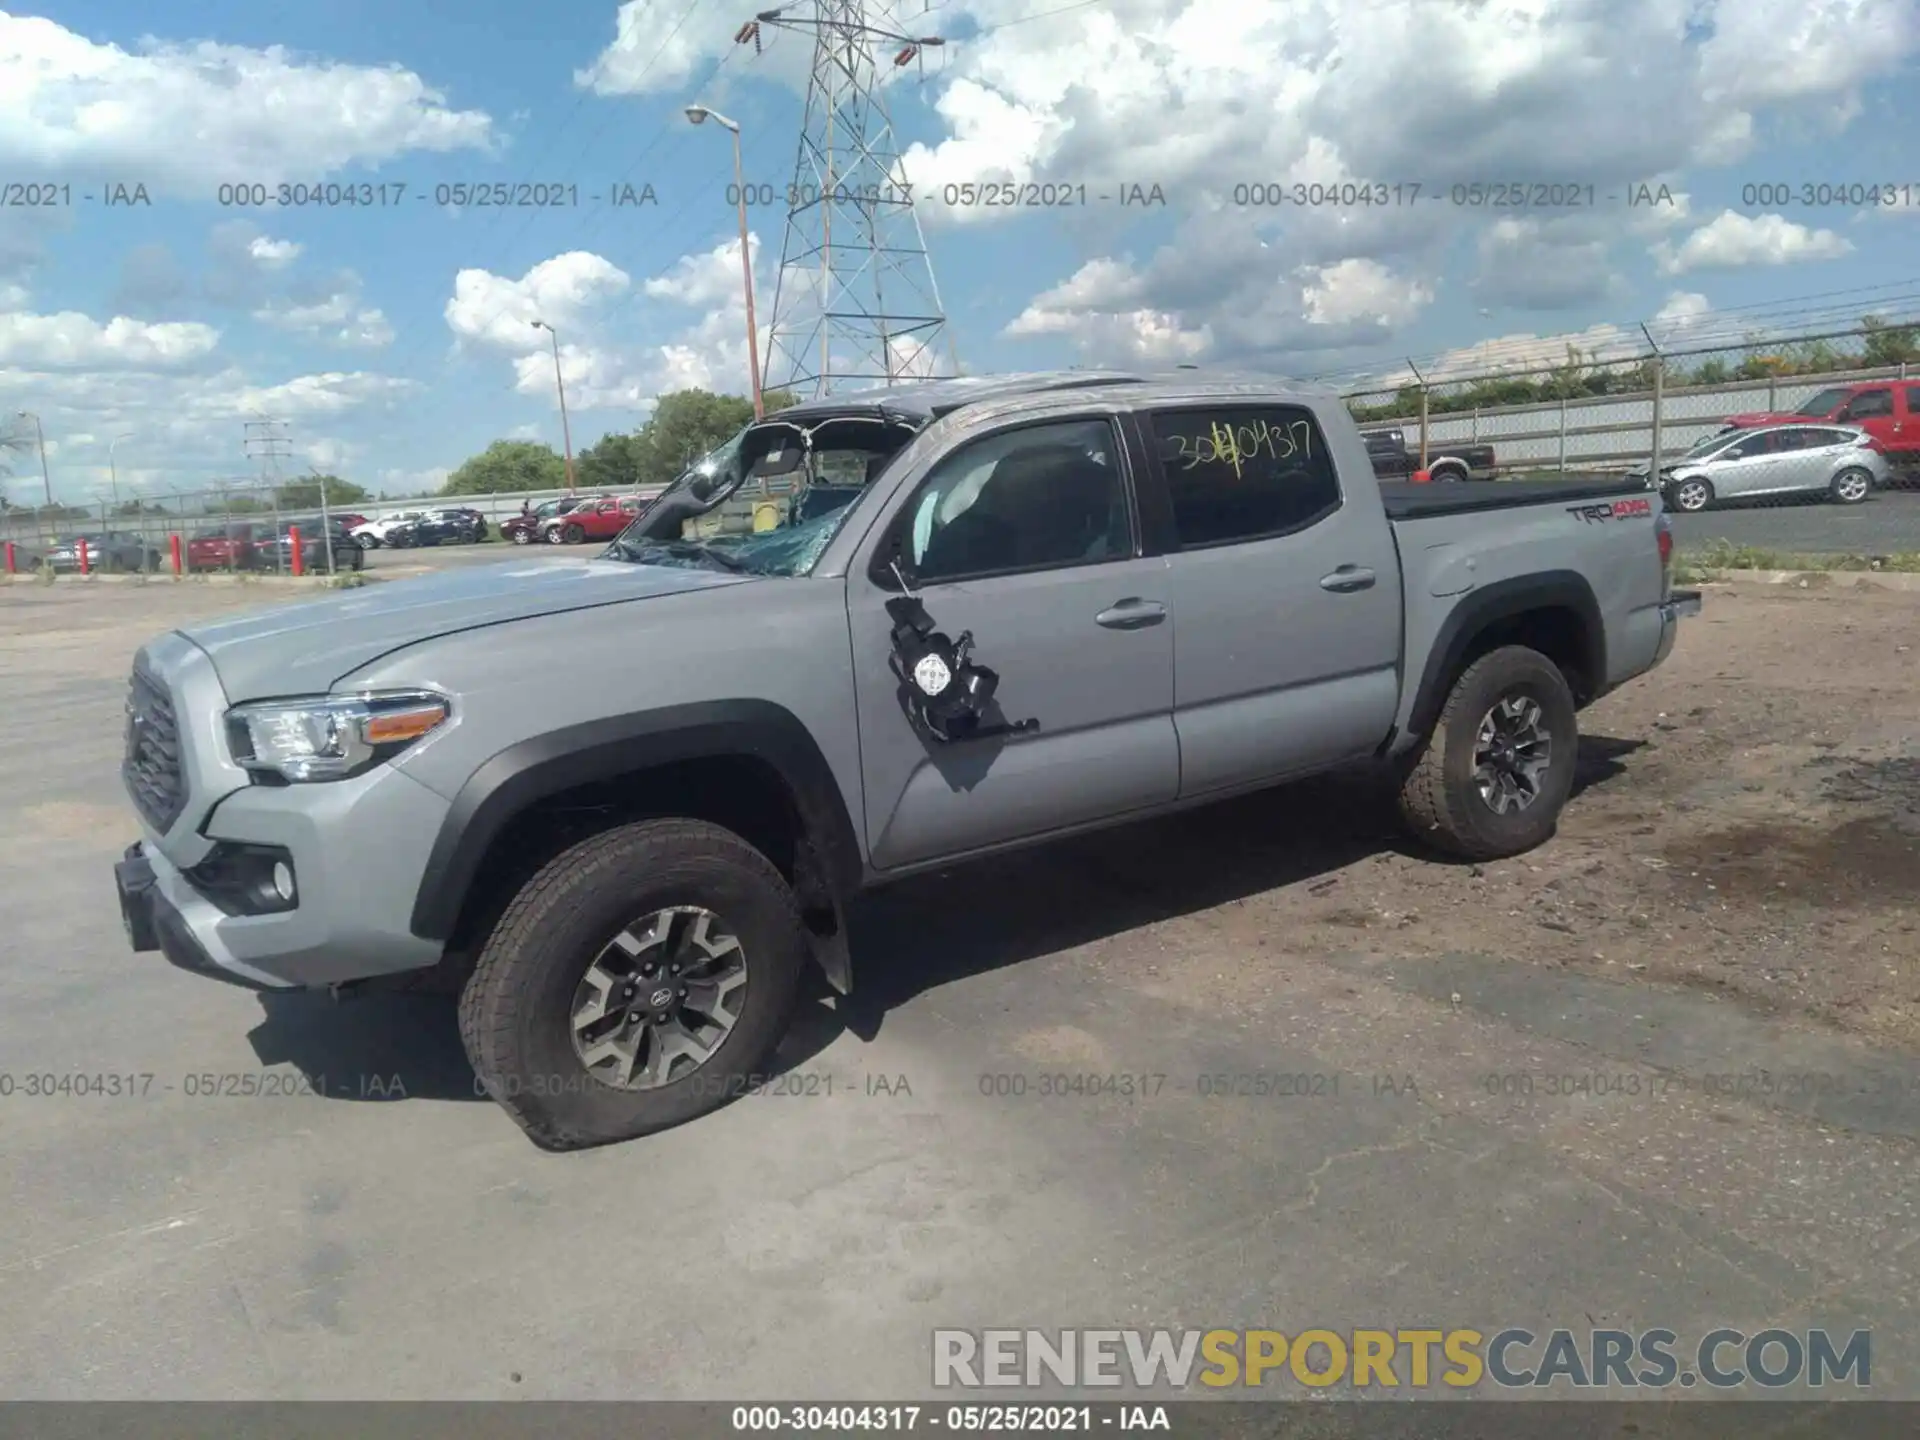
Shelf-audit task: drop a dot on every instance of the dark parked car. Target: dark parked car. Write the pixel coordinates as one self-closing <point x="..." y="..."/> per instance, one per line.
<point x="524" y="528"/>
<point x="313" y="546"/>
<point x="1393" y="460"/>
<point x="461" y="526"/>
<point x="111" y="551"/>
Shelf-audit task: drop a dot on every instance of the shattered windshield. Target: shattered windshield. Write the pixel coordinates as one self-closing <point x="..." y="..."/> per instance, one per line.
<point x="770" y="500"/>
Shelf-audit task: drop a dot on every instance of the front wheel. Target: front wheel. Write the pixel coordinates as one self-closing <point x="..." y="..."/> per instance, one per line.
<point x="523" y="537"/>
<point x="367" y="542"/>
<point x="638" y="981"/>
<point x="575" y="534"/>
<point x="1494" y="773"/>
<point x="1692" y="495"/>
<point x="1851" y="487"/>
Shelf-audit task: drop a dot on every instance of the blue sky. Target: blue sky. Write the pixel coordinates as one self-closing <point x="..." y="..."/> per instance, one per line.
<point x="394" y="341"/>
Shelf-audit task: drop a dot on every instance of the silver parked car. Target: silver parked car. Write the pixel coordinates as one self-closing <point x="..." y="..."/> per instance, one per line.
<point x="1838" y="461"/>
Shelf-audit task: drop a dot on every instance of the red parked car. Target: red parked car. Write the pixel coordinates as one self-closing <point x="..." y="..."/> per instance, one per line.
<point x="1888" y="410"/>
<point x="224" y="547"/>
<point x="593" y="520"/>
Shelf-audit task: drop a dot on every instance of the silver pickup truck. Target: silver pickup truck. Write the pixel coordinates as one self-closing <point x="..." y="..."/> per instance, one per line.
<point x="874" y="635"/>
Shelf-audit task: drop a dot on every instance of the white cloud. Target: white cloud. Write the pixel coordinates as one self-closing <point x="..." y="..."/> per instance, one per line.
<point x="184" y="118"/>
<point x="340" y="319"/>
<point x="1733" y="241"/>
<point x="611" y="357"/>
<point x="273" y="253"/>
<point x="562" y="291"/>
<point x="72" y="341"/>
<point x="1363" y="292"/>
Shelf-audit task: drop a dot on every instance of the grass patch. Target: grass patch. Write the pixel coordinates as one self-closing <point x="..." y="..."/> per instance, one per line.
<point x="1701" y="562"/>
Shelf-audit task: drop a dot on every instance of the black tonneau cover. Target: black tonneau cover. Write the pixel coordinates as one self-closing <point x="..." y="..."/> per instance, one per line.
<point x="1405" y="500"/>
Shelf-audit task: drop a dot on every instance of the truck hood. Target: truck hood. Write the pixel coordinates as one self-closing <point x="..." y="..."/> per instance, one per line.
<point x="304" y="649"/>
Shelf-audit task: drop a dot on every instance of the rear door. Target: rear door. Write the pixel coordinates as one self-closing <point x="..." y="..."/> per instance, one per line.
<point x="1026" y="535"/>
<point x="1286" y="595"/>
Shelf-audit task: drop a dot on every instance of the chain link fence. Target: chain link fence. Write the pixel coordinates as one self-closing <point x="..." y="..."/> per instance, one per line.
<point x="1823" y="434"/>
<point x="231" y="529"/>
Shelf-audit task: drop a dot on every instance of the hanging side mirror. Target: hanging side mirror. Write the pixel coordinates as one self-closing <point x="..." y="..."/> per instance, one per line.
<point x="946" y="696"/>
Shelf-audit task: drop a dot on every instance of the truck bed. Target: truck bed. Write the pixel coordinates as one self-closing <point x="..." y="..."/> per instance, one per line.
<point x="1405" y="500"/>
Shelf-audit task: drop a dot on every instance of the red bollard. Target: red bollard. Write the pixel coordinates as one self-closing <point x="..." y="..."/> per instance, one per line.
<point x="299" y="560"/>
<point x="13" y="567"/>
<point x="85" y="567"/>
<point x="173" y="548"/>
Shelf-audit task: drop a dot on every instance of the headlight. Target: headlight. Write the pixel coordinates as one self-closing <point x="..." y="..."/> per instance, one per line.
<point x="329" y="738"/>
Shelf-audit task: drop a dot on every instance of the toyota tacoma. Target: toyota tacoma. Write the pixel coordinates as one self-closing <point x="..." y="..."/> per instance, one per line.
<point x="874" y="635"/>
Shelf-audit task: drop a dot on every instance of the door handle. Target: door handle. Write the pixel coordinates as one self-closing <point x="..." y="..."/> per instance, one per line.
<point x="1348" y="578"/>
<point x="1131" y="615"/>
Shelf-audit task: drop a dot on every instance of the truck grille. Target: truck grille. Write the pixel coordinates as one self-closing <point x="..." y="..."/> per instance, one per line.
<point x="152" y="770"/>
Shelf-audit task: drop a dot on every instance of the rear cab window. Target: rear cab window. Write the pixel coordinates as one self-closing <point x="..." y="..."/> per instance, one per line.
<point x="1243" y="472"/>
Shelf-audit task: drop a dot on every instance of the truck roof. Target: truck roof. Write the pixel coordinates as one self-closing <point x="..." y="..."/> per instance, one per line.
<point x="930" y="399"/>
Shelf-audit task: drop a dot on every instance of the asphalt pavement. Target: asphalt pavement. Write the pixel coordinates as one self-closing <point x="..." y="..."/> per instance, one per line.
<point x="369" y="1227"/>
<point x="1886" y="524"/>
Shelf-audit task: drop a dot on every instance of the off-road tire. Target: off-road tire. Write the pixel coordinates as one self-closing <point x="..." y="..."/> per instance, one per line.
<point x="1439" y="800"/>
<point x="514" y="1009"/>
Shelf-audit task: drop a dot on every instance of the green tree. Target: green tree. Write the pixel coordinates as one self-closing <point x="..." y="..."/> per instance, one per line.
<point x="507" y="466"/>
<point x="305" y="494"/>
<point x="611" y="463"/>
<point x="1883" y="344"/>
<point x="686" y="424"/>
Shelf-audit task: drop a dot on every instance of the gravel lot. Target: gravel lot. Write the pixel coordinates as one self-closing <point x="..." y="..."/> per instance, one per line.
<point x="1733" y="892"/>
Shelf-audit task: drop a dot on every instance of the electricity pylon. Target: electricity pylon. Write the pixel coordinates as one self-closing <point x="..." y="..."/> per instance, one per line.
<point x="855" y="304"/>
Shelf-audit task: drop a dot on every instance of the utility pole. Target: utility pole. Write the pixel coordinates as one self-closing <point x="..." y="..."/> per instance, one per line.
<point x="560" y="384"/>
<point x="855" y="303"/>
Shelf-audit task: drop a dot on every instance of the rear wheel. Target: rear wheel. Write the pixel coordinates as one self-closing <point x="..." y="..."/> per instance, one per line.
<point x="636" y="982"/>
<point x="1494" y="773"/>
<point x="1851" y="486"/>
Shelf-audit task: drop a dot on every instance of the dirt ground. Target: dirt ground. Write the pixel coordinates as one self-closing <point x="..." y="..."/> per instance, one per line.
<point x="1747" y="819"/>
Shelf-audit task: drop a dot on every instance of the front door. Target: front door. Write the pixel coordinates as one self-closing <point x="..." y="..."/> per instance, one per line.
<point x="1286" y="595"/>
<point x="1027" y="537"/>
<point x="1872" y="410"/>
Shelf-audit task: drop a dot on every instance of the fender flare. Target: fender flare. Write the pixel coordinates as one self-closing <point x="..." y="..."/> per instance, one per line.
<point x="1507" y="600"/>
<point x="543" y="766"/>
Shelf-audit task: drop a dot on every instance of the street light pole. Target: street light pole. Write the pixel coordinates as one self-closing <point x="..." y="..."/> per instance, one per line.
<point x="697" y="114"/>
<point x="113" y="471"/>
<point x="559" y="381"/>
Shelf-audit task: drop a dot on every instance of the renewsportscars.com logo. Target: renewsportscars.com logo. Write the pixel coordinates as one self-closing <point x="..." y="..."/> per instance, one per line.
<point x="1457" y="1359"/>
